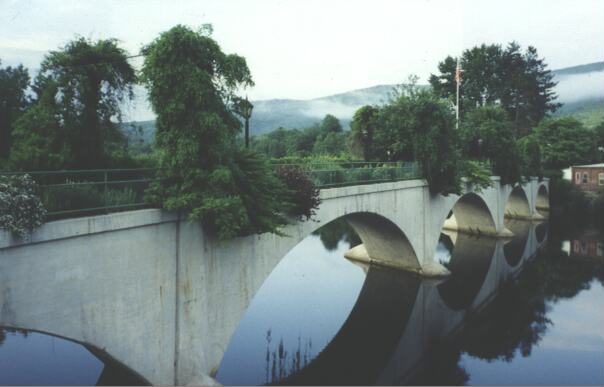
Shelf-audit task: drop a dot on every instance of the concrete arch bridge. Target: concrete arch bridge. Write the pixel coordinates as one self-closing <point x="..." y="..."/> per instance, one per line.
<point x="160" y="296"/>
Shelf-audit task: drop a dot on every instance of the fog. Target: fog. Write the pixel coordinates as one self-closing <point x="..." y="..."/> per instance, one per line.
<point x="576" y="87"/>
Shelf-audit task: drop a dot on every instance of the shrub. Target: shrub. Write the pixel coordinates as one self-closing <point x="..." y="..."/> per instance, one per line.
<point x="21" y="210"/>
<point x="303" y="194"/>
<point x="477" y="174"/>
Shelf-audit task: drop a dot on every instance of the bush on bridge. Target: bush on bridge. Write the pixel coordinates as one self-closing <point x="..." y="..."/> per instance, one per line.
<point x="301" y="191"/>
<point x="21" y="210"/>
<point x="201" y="169"/>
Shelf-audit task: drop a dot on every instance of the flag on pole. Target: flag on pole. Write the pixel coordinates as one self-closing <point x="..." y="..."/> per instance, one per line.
<point x="458" y="71"/>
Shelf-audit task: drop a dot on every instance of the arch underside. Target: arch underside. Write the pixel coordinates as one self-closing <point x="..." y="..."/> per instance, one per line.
<point x="384" y="243"/>
<point x="542" y="200"/>
<point x="517" y="205"/>
<point x="471" y="215"/>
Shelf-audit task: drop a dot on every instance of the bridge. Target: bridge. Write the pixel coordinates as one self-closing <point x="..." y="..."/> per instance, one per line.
<point x="157" y="294"/>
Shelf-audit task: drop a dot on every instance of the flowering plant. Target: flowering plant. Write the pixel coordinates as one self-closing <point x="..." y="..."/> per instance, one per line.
<point x="21" y="210"/>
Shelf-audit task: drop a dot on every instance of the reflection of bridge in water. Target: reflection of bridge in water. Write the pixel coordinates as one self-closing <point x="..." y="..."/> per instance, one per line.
<point x="162" y="297"/>
<point x="399" y="318"/>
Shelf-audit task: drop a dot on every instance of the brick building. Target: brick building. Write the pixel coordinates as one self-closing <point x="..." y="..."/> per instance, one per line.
<point x="589" y="177"/>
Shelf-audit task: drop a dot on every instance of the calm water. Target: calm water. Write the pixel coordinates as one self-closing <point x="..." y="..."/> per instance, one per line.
<point x="502" y="318"/>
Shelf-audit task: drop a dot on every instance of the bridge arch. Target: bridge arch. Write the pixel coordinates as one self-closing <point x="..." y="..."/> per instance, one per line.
<point x="470" y="214"/>
<point x="542" y="200"/>
<point x="384" y="243"/>
<point x="517" y="205"/>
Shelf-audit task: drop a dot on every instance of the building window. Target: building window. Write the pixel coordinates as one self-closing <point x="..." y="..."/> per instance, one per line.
<point x="577" y="177"/>
<point x="585" y="178"/>
<point x="600" y="178"/>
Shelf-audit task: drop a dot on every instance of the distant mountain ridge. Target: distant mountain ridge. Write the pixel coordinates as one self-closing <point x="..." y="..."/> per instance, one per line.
<point x="580" y="88"/>
<point x="294" y="113"/>
<point x="580" y="69"/>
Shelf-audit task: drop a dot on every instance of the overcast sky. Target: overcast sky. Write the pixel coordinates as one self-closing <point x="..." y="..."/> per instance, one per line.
<point x="306" y="48"/>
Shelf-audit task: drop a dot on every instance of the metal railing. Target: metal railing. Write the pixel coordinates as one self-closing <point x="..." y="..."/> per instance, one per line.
<point x="72" y="193"/>
<point x="338" y="174"/>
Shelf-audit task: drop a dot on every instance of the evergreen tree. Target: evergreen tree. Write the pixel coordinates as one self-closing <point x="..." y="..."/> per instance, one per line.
<point x="518" y="82"/>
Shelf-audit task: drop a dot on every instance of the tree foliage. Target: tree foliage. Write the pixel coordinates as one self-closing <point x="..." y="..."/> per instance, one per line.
<point x="487" y="134"/>
<point x="519" y="82"/>
<point x="325" y="138"/>
<point x="14" y="82"/>
<point x="80" y="91"/>
<point x="565" y="142"/>
<point x="415" y="125"/>
<point x="364" y="125"/>
<point x="530" y="156"/>
<point x="191" y="85"/>
<point x="303" y="194"/>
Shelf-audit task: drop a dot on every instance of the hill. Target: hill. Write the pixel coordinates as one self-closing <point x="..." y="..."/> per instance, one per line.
<point x="290" y="113"/>
<point x="580" y="89"/>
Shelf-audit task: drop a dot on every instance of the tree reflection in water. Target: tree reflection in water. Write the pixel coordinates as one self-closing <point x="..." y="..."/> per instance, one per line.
<point x="334" y="232"/>
<point x="517" y="318"/>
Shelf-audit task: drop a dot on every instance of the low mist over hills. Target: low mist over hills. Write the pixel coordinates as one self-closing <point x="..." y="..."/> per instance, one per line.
<point x="290" y="113"/>
<point x="580" y="89"/>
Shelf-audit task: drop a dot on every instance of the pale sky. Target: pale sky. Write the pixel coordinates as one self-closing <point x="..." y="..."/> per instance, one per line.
<point x="307" y="48"/>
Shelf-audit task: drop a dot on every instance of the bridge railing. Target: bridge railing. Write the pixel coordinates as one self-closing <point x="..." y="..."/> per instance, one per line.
<point x="72" y="193"/>
<point x="338" y="174"/>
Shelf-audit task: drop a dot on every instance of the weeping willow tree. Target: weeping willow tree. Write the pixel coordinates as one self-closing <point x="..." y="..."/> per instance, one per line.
<point x="192" y="88"/>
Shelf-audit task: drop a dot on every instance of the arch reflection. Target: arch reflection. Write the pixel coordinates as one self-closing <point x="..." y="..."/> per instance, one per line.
<point x="369" y="335"/>
<point x="35" y="358"/>
<point x="469" y="264"/>
<point x="515" y="248"/>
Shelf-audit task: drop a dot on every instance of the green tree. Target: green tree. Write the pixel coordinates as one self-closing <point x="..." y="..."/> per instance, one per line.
<point x="365" y="123"/>
<point x="202" y="171"/>
<point x="331" y="143"/>
<point x="530" y="155"/>
<point x="88" y="81"/>
<point x="40" y="138"/>
<point x="94" y="79"/>
<point x="600" y="136"/>
<point x="14" y="82"/>
<point x="518" y="82"/>
<point x="565" y="142"/>
<point x="434" y="140"/>
<point x="330" y="124"/>
<point x="488" y="134"/>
